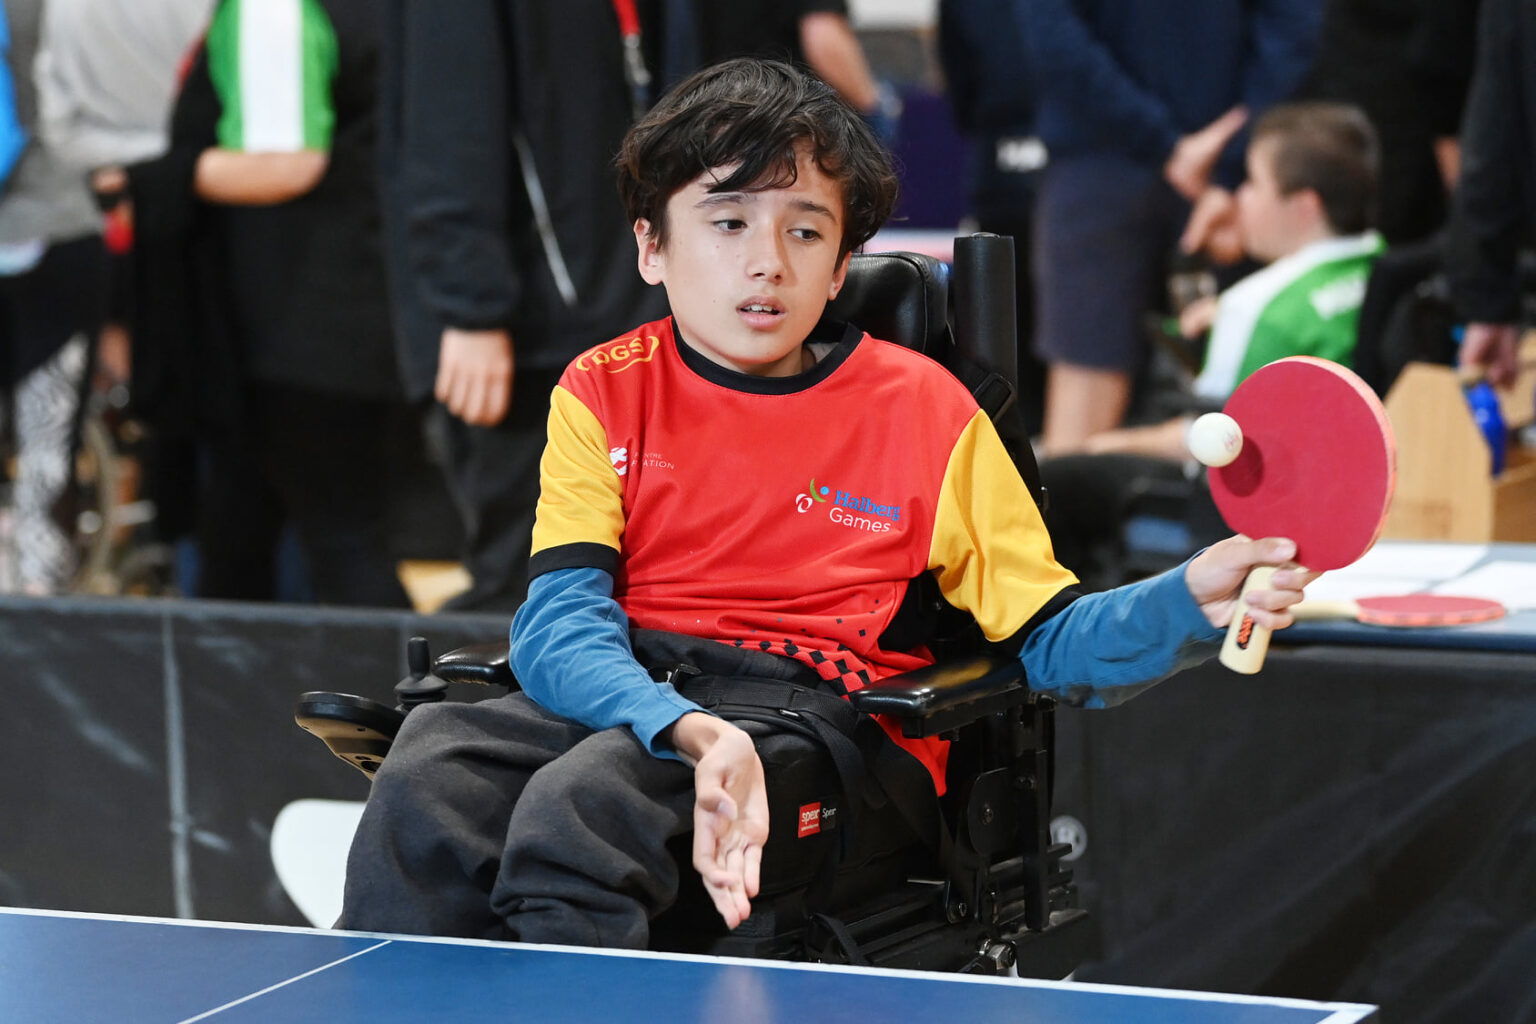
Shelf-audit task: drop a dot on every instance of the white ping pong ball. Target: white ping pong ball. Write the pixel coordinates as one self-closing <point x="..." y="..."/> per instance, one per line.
<point x="1215" y="439"/>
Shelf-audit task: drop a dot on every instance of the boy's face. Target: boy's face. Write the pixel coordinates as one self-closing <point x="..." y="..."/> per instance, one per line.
<point x="748" y="274"/>
<point x="1270" y="222"/>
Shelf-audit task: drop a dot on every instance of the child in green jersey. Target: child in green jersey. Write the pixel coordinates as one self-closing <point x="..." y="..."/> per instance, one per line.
<point x="1307" y="211"/>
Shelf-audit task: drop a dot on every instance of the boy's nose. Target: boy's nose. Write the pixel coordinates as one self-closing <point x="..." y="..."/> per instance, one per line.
<point x="766" y="259"/>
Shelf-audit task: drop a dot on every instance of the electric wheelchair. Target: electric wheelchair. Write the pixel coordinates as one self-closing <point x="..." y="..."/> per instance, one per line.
<point x="970" y="882"/>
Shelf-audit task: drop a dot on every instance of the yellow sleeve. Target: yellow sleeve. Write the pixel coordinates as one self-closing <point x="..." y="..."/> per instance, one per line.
<point x="990" y="550"/>
<point x="581" y="498"/>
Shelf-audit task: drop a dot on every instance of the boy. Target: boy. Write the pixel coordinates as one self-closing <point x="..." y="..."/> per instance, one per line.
<point x="1306" y="210"/>
<point x="725" y="474"/>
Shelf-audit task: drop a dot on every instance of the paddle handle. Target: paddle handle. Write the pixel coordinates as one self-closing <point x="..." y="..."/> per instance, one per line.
<point x="1247" y="642"/>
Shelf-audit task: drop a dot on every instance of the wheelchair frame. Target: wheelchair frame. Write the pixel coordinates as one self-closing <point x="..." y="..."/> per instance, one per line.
<point x="1000" y="900"/>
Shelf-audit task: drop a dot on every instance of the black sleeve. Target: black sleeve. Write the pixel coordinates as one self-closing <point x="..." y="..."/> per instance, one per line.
<point x="185" y="370"/>
<point x="1440" y="55"/>
<point x="451" y="98"/>
<point x="956" y="58"/>
<point x="1489" y="209"/>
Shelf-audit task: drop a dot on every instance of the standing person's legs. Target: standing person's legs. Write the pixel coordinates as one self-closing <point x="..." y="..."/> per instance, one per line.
<point x="325" y="455"/>
<point x="493" y="475"/>
<point x="1103" y="229"/>
<point x="239" y="521"/>
<point x="51" y="315"/>
<point x="47" y="407"/>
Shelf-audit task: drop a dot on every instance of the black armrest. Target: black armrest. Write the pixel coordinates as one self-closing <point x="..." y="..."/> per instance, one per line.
<point x="356" y="729"/>
<point x="928" y="700"/>
<point x="478" y="663"/>
<point x="947" y="695"/>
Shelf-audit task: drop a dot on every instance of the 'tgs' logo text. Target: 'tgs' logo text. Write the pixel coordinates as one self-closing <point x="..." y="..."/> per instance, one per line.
<point x="619" y="356"/>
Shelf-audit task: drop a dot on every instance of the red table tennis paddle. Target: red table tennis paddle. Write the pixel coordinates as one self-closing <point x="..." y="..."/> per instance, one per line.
<point x="1404" y="610"/>
<point x="1317" y="465"/>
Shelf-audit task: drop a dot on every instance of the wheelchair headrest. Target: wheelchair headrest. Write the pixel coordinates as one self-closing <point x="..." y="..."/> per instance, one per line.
<point x="900" y="297"/>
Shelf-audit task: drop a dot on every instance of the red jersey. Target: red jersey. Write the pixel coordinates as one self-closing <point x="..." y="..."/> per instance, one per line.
<point x="790" y="513"/>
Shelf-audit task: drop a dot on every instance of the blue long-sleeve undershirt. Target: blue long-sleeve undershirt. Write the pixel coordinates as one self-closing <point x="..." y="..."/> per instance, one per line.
<point x="570" y="651"/>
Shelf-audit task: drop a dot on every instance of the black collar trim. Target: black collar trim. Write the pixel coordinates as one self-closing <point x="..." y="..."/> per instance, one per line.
<point x="844" y="337"/>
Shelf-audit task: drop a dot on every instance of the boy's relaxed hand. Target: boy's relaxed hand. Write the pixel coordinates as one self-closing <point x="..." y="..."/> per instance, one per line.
<point x="1215" y="578"/>
<point x="730" y="810"/>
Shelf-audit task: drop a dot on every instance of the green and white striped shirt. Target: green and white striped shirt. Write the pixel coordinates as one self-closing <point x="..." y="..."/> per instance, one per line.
<point x="272" y="63"/>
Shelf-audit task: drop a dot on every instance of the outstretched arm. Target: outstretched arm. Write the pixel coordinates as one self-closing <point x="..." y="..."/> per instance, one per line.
<point x="1106" y="647"/>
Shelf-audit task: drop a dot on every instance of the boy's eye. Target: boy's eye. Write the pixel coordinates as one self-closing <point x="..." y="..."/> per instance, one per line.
<point x="806" y="234"/>
<point x="730" y="224"/>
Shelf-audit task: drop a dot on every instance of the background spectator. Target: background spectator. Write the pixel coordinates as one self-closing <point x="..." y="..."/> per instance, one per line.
<point x="1306" y="211"/>
<point x="508" y="249"/>
<point x="815" y="33"/>
<point x="992" y="98"/>
<point x="52" y="284"/>
<point x="264" y="217"/>
<point x="1407" y="64"/>
<point x="107" y="75"/>
<point x="1140" y="109"/>
<point x="1494" y="212"/>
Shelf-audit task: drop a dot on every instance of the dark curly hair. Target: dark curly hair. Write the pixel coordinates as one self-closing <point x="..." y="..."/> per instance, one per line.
<point x="751" y="115"/>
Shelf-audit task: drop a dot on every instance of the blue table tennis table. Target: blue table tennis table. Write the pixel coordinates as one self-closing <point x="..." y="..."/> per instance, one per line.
<point x="87" y="968"/>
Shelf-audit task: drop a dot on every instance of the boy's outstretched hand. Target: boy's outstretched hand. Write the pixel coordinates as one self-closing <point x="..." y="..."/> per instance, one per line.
<point x="1215" y="578"/>
<point x="730" y="810"/>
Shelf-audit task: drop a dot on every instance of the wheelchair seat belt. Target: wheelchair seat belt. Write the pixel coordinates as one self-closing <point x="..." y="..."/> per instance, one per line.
<point x="824" y="717"/>
<point x="785" y="694"/>
<point x="898" y="778"/>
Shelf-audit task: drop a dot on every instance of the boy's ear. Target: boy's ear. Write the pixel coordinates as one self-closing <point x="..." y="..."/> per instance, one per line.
<point x="839" y="277"/>
<point x="650" y="259"/>
<point x="1310" y="201"/>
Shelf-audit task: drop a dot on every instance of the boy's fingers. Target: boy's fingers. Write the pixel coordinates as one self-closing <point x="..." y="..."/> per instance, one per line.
<point x="1292" y="579"/>
<point x="1239" y="554"/>
<point x="1274" y="550"/>
<point x="754" y="863"/>
<point x="1229" y="123"/>
<point x="485" y="401"/>
<point x="725" y="904"/>
<point x="458" y="393"/>
<point x="469" y="398"/>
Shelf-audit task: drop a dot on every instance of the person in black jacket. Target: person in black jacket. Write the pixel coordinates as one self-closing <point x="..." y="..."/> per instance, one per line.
<point x="992" y="96"/>
<point x="263" y="335"/>
<point x="507" y="246"/>
<point x="1493" y="212"/>
<point x="1407" y="64"/>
